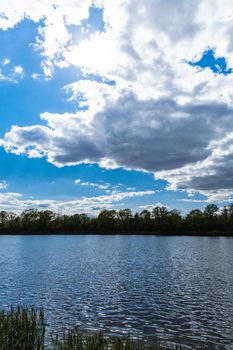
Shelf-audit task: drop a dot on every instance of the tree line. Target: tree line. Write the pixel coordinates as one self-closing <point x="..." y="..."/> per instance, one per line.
<point x="159" y="220"/>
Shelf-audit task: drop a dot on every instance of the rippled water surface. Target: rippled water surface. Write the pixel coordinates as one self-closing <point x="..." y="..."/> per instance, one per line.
<point x="171" y="288"/>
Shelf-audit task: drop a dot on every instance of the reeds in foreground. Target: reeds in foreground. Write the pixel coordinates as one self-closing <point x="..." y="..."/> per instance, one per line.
<point x="73" y="340"/>
<point x="22" y="329"/>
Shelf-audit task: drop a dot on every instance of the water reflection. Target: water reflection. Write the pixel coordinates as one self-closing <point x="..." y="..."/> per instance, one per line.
<point x="171" y="288"/>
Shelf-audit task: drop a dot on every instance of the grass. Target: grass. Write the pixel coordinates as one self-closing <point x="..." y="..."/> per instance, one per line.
<point x="24" y="329"/>
<point x="73" y="340"/>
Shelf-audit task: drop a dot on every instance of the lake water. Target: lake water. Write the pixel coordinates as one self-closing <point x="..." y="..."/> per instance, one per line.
<point x="169" y="288"/>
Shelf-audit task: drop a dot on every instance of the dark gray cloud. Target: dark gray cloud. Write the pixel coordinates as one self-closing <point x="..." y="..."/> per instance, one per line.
<point x="157" y="136"/>
<point x="161" y="135"/>
<point x="162" y="115"/>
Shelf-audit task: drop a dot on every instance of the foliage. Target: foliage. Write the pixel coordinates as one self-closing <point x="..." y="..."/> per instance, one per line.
<point x="22" y="328"/>
<point x="159" y="220"/>
<point x="73" y="340"/>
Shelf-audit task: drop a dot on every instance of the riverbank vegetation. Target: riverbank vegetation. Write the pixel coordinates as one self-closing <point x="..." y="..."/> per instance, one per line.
<point x="22" y="329"/>
<point x="25" y="328"/>
<point x="74" y="340"/>
<point x="160" y="220"/>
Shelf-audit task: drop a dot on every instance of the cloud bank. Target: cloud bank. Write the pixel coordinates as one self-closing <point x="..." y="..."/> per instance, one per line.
<point x="89" y="205"/>
<point x="147" y="109"/>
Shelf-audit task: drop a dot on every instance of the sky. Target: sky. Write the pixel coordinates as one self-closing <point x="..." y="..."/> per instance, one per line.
<point x="115" y="104"/>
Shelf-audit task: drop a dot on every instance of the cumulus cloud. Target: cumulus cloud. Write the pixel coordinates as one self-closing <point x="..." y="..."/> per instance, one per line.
<point x="89" y="205"/>
<point x="9" y="72"/>
<point x="157" y="136"/>
<point x="93" y="184"/>
<point x="148" y="108"/>
<point x="3" y="185"/>
<point x="54" y="17"/>
<point x="6" y="61"/>
<point x="151" y="206"/>
<point x="19" y="71"/>
<point x="211" y="176"/>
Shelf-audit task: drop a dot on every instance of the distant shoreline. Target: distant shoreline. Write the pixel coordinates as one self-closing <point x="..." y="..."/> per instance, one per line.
<point x="159" y="221"/>
<point x="213" y="235"/>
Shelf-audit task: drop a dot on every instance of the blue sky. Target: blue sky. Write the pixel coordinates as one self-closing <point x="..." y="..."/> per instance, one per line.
<point x="113" y="111"/>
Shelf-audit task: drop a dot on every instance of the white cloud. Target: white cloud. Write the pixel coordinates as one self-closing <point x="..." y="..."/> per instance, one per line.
<point x="92" y="184"/>
<point x="3" y="185"/>
<point x="189" y="200"/>
<point x="10" y="73"/>
<point x="6" y="61"/>
<point x="90" y="205"/>
<point x="18" y="70"/>
<point x="55" y="18"/>
<point x="161" y="114"/>
<point x="151" y="206"/>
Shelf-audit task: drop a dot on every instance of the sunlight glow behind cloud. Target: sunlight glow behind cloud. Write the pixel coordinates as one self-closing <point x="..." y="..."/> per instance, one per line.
<point x="158" y="114"/>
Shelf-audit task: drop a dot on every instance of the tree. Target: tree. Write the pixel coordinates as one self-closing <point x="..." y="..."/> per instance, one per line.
<point x="158" y="212"/>
<point x="3" y="217"/>
<point x="194" y="221"/>
<point x="124" y="214"/>
<point x="210" y="210"/>
<point x="107" y="219"/>
<point x="145" y="215"/>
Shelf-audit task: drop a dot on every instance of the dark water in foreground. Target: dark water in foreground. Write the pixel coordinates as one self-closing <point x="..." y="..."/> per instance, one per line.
<point x="173" y="288"/>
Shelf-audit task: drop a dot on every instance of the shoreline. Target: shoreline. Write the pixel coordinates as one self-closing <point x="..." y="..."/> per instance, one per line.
<point x="210" y="235"/>
<point x="211" y="222"/>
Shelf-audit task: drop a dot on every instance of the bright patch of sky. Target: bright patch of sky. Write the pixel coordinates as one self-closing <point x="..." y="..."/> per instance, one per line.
<point x="93" y="23"/>
<point x="104" y="107"/>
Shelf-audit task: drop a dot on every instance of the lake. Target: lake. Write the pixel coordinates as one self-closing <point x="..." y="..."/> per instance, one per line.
<point x="176" y="289"/>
